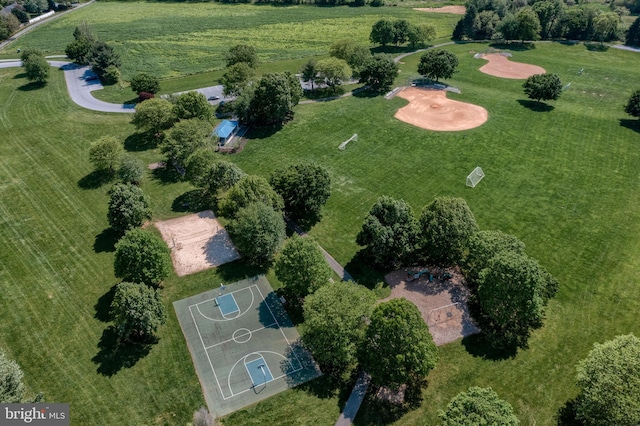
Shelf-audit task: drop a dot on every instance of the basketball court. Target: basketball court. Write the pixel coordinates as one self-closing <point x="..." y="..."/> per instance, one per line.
<point x="243" y="345"/>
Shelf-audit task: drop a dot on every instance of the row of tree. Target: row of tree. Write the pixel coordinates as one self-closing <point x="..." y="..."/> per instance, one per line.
<point x="401" y="31"/>
<point x="546" y="19"/>
<point x="86" y="49"/>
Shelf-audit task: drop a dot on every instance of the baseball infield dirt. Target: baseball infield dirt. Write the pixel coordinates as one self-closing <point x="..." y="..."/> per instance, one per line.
<point x="501" y="66"/>
<point x="456" y="10"/>
<point x="431" y="110"/>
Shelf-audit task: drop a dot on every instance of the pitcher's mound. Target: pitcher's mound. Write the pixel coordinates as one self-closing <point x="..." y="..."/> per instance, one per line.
<point x="197" y="242"/>
<point x="431" y="110"/>
<point x="441" y="297"/>
<point x="500" y="66"/>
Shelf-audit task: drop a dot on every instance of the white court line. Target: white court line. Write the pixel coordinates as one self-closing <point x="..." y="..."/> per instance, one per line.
<point x="264" y="363"/>
<point x="228" y="340"/>
<point x="244" y="358"/>
<point x="237" y="306"/>
<point x="207" y="352"/>
<point x="280" y="328"/>
<point x="228" y="319"/>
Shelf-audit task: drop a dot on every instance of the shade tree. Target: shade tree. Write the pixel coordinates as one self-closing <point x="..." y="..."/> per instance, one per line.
<point x="609" y="383"/>
<point x="142" y="257"/>
<point x="154" y="115"/>
<point x="104" y="59"/>
<point x="389" y="232"/>
<point x="333" y="71"/>
<point x="605" y="26"/>
<point x="355" y="55"/>
<point x="241" y="53"/>
<point x="379" y="72"/>
<point x="633" y="104"/>
<point x="446" y="224"/>
<point x="235" y="78"/>
<point x="106" y="153"/>
<point x="382" y="32"/>
<point x="137" y="311"/>
<point x="301" y="266"/>
<point x="12" y="389"/>
<point x="484" y="246"/>
<point x="419" y="35"/>
<point x="397" y="348"/>
<point x="258" y="232"/>
<point x="36" y="67"/>
<point x="249" y="189"/>
<point x="528" y="24"/>
<point x="193" y="105"/>
<point x="131" y="170"/>
<point x="128" y="207"/>
<point x="632" y="37"/>
<point x="271" y="101"/>
<point x="185" y="138"/>
<point x="437" y="63"/>
<point x="143" y="82"/>
<point x="335" y="320"/>
<point x="543" y="87"/>
<point x="304" y="188"/>
<point x="513" y="291"/>
<point x="309" y="73"/>
<point x="478" y="406"/>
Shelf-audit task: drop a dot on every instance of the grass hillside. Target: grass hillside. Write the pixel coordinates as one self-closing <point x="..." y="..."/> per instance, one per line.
<point x="170" y="39"/>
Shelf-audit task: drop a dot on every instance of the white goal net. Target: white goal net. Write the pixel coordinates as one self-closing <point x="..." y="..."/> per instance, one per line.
<point x="474" y="177"/>
<point x="343" y="145"/>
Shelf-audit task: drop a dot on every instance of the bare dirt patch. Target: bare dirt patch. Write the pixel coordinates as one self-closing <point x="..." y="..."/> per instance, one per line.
<point x="197" y="242"/>
<point x="456" y="10"/>
<point x="431" y="110"/>
<point x="500" y="66"/>
<point x="442" y="301"/>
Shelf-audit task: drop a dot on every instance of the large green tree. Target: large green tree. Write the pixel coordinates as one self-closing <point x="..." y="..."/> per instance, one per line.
<point x="389" y="232"/>
<point x="128" y="207"/>
<point x="512" y="292"/>
<point x="382" y="32"/>
<point x="335" y="319"/>
<point x="446" y="224"/>
<point x="550" y="13"/>
<point x="605" y="26"/>
<point x="437" y="63"/>
<point x="301" y="266"/>
<point x="478" y="406"/>
<point x="131" y="169"/>
<point x="242" y="53"/>
<point x="12" y="389"/>
<point x="249" y="189"/>
<point x="36" y="67"/>
<point x="106" y="153"/>
<point x="185" y="138"/>
<point x="142" y="257"/>
<point x="633" y="34"/>
<point x="633" y="104"/>
<point x="379" y="72"/>
<point x="104" y="56"/>
<point x="484" y="246"/>
<point x="543" y="87"/>
<point x="271" y="101"/>
<point x="235" y="78"/>
<point x="143" y="82"/>
<point x="309" y="73"/>
<point x="609" y="383"/>
<point x="398" y="347"/>
<point x="333" y="71"/>
<point x="154" y="115"/>
<point x="528" y="24"/>
<point x="304" y="187"/>
<point x="193" y="105"/>
<point x="137" y="311"/>
<point x="258" y="232"/>
<point x="420" y="34"/>
<point x="355" y="55"/>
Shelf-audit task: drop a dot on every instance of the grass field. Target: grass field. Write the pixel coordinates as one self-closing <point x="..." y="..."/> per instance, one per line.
<point x="565" y="181"/>
<point x="171" y="39"/>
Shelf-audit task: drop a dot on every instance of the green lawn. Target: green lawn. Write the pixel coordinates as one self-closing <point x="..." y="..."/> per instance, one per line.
<point x="565" y="181"/>
<point x="173" y="39"/>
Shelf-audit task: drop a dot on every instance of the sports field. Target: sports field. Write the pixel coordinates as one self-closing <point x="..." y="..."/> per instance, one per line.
<point x="563" y="178"/>
<point x="243" y="344"/>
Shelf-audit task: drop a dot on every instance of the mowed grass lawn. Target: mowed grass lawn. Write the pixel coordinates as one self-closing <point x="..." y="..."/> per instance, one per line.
<point x="171" y="39"/>
<point x="564" y="181"/>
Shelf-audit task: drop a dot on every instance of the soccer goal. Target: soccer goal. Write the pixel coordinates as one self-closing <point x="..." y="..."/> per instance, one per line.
<point x="343" y="145"/>
<point x="474" y="177"/>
